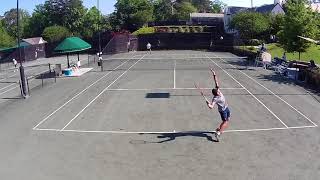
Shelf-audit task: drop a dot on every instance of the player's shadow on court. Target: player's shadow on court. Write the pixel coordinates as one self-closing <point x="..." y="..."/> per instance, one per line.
<point x="172" y="136"/>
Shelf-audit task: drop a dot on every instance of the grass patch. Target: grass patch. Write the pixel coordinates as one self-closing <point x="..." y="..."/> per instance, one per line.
<point x="276" y="51"/>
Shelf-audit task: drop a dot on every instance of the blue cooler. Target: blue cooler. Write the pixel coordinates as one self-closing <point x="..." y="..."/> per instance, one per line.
<point x="67" y="72"/>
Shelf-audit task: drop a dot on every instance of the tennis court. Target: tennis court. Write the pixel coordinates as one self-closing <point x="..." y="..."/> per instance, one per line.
<point x="142" y="118"/>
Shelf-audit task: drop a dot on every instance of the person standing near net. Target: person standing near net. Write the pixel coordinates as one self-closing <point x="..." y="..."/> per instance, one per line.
<point x="219" y="99"/>
<point x="15" y="63"/>
<point x="149" y="47"/>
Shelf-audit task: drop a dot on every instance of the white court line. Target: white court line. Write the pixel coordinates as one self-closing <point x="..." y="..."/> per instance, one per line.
<point x="250" y="93"/>
<point x="178" y="58"/>
<point x="13" y="83"/>
<point x="156" y="89"/>
<point x="55" y="111"/>
<point x="274" y="95"/>
<point x="100" y="94"/>
<point x="174" y="74"/>
<point x="173" y="132"/>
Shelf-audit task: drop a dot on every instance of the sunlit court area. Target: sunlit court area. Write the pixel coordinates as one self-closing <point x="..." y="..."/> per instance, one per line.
<point x="136" y="103"/>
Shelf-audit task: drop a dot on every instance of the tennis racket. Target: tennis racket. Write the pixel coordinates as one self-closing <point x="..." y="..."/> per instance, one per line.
<point x="201" y="92"/>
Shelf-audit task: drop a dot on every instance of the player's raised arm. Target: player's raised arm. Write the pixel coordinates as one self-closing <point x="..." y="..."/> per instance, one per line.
<point x="215" y="78"/>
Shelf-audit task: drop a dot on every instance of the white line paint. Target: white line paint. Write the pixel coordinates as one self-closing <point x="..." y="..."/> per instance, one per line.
<point x="100" y="94"/>
<point x="14" y="83"/>
<point x="250" y="93"/>
<point x="173" y="58"/>
<point x="172" y="132"/>
<point x="274" y="95"/>
<point x="8" y="90"/>
<point x="174" y="74"/>
<point x="55" y="111"/>
<point x="168" y="89"/>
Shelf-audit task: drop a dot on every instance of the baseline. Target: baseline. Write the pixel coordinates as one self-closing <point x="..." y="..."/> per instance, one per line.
<point x="172" y="132"/>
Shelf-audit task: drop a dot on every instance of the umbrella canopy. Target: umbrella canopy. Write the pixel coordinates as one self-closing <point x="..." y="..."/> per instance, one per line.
<point x="72" y="44"/>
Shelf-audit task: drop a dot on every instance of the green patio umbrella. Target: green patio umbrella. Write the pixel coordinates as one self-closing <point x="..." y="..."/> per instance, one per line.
<point x="70" y="45"/>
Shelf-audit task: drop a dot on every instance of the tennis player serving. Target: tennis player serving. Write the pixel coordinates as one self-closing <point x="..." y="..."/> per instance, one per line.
<point x="219" y="99"/>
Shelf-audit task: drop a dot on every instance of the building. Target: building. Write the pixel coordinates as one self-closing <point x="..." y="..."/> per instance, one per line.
<point x="230" y="11"/>
<point x="209" y="19"/>
<point x="31" y="49"/>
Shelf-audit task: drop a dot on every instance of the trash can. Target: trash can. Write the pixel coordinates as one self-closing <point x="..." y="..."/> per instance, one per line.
<point x="58" y="70"/>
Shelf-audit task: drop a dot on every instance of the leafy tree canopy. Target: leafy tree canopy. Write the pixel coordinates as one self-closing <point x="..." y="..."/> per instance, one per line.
<point x="55" y="33"/>
<point x="250" y="24"/>
<point x="298" y="21"/>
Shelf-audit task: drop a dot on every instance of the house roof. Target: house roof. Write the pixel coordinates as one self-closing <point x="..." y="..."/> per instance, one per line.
<point x="35" y="40"/>
<point x="265" y="8"/>
<point x="235" y="9"/>
<point x="206" y="15"/>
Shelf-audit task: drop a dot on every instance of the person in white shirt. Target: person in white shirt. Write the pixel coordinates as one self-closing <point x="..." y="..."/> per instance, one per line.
<point x="78" y="64"/>
<point x="219" y="99"/>
<point x="15" y="63"/>
<point x="149" y="47"/>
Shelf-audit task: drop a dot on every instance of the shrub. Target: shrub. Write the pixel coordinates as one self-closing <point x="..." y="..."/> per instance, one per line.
<point x="144" y="30"/>
<point x="193" y="29"/>
<point x="200" y="29"/>
<point x="187" y="29"/>
<point x="181" y="30"/>
<point x="55" y="33"/>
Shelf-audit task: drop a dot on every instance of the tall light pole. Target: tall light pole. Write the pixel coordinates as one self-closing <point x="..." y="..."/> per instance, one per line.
<point x="24" y="89"/>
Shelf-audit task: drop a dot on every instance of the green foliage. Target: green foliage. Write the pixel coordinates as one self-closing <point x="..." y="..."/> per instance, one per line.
<point x="217" y="6"/>
<point x="298" y="21"/>
<point x="144" y="30"/>
<point x="91" y="22"/>
<point x="163" y="10"/>
<point x="5" y="39"/>
<point x="276" y="23"/>
<point x="55" y="33"/>
<point x="132" y="14"/>
<point x="194" y="29"/>
<point x="181" y="30"/>
<point x="10" y="21"/>
<point x="250" y="24"/>
<point x="184" y="9"/>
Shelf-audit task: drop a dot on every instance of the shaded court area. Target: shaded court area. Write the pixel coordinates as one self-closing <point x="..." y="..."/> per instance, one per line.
<point x="142" y="118"/>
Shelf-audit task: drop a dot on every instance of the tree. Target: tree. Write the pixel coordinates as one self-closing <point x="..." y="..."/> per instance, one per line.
<point x="276" y="22"/>
<point x="184" y="9"/>
<point x="250" y="24"/>
<point x="132" y="14"/>
<point x="163" y="10"/>
<point x="67" y="13"/>
<point x="217" y="6"/>
<point x="55" y="33"/>
<point x="298" y="21"/>
<point x="203" y="6"/>
<point x="5" y="39"/>
<point x="91" y="22"/>
<point x="36" y="23"/>
<point x="10" y="21"/>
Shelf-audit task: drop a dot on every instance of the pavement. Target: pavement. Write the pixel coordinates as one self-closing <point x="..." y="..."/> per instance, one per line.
<point x="142" y="118"/>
